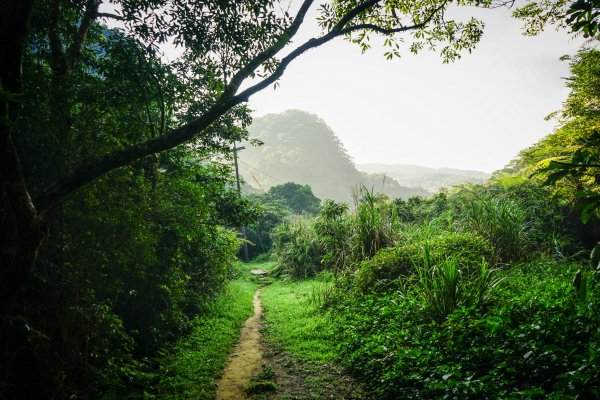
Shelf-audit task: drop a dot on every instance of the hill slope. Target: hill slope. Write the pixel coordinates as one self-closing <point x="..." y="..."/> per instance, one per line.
<point x="299" y="147"/>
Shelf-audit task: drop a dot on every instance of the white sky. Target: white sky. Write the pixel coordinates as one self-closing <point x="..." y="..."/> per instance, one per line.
<point x="476" y="113"/>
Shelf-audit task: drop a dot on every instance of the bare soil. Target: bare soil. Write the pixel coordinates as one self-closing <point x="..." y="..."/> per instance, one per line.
<point x="302" y="380"/>
<point x="246" y="359"/>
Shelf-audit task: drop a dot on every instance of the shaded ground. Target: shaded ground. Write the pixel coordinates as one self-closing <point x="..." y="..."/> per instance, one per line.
<point x="246" y="359"/>
<point x="284" y="377"/>
<point x="258" y="369"/>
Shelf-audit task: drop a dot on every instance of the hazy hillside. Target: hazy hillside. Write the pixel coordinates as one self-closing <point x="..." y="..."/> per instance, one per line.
<point x="299" y="147"/>
<point x="429" y="178"/>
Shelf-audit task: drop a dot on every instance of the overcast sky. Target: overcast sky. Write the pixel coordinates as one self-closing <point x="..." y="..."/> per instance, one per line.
<point x="476" y="113"/>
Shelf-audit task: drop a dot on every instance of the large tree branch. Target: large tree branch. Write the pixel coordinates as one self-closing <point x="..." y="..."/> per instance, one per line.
<point x="90" y="171"/>
<point x="339" y="29"/>
<point x="110" y="15"/>
<point x="228" y="99"/>
<point x="64" y="61"/>
<point x="268" y="53"/>
<point x="90" y="14"/>
<point x="57" y="51"/>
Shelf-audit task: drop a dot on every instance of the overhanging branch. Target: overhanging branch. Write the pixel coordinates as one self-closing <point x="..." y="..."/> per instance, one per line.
<point x="226" y="101"/>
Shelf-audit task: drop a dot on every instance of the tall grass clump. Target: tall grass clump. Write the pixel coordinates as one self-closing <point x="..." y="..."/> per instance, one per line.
<point x="375" y="224"/>
<point x="296" y="248"/>
<point x="333" y="227"/>
<point x="439" y="285"/>
<point x="346" y="239"/>
<point x="445" y="286"/>
<point x="502" y="221"/>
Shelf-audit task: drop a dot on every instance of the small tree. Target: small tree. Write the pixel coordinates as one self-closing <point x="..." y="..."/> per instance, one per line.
<point x="298" y="198"/>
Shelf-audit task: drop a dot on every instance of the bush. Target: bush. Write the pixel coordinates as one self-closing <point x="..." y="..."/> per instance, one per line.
<point x="466" y="248"/>
<point x="535" y="340"/>
<point x="297" y="250"/>
<point x="501" y="221"/>
<point x="389" y="264"/>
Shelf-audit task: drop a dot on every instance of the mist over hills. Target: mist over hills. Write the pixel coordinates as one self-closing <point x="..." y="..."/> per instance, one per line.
<point x="300" y="147"/>
<point x="430" y="179"/>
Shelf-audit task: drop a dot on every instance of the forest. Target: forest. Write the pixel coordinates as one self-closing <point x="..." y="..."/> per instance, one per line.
<point x="122" y="271"/>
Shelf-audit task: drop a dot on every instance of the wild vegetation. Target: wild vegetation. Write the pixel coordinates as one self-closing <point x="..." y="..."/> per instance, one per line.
<point x="118" y="221"/>
<point x="480" y="291"/>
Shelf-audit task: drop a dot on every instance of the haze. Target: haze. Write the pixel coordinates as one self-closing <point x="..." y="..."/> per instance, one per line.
<point x="476" y="113"/>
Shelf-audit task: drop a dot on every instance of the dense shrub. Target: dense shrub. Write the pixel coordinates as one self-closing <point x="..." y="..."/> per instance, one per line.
<point x="537" y="339"/>
<point x="297" y="249"/>
<point x="466" y="249"/>
<point x="386" y="266"/>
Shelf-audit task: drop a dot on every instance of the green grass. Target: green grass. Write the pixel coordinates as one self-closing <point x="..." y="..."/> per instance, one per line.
<point x="294" y="322"/>
<point x="189" y="369"/>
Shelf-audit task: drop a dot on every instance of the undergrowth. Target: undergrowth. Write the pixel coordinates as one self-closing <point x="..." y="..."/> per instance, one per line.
<point x="536" y="339"/>
<point x="190" y="368"/>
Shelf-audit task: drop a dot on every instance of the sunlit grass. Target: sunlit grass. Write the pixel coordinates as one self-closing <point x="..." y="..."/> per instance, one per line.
<point x="194" y="364"/>
<point x="294" y="322"/>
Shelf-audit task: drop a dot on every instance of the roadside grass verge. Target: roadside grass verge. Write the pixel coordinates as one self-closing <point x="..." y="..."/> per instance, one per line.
<point x="191" y="367"/>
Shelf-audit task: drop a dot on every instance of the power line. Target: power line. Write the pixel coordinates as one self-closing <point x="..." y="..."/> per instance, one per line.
<point x="257" y="182"/>
<point x="262" y="172"/>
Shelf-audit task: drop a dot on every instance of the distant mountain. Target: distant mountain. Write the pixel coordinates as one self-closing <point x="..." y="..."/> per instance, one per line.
<point x="431" y="179"/>
<point x="299" y="147"/>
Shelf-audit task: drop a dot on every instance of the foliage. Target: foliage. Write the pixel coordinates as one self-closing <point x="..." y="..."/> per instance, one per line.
<point x="419" y="209"/>
<point x="274" y="207"/>
<point x="580" y="16"/>
<point x="405" y="261"/>
<point x="333" y="226"/>
<point x="184" y="372"/>
<point x="502" y="222"/>
<point x="298" y="198"/>
<point x="259" y="233"/>
<point x="581" y="163"/>
<point x="440" y="285"/>
<point x="533" y="340"/>
<point x="374" y="224"/>
<point x="130" y="259"/>
<point x="297" y="249"/>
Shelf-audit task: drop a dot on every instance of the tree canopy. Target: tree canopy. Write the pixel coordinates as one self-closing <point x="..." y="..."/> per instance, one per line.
<point x="116" y="205"/>
<point x="299" y="198"/>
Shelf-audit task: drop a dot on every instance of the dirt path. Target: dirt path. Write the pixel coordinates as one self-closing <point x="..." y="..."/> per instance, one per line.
<point x="246" y="359"/>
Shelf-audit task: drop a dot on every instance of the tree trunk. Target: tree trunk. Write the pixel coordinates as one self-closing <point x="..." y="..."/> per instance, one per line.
<point x="16" y="262"/>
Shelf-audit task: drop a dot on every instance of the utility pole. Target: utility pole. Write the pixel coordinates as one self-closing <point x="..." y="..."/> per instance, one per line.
<point x="239" y="189"/>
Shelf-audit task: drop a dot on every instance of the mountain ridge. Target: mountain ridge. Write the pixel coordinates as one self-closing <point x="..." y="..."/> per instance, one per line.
<point x="429" y="178"/>
<point x="300" y="147"/>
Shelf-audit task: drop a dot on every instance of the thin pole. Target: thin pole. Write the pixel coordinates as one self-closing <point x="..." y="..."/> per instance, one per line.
<point x="239" y="189"/>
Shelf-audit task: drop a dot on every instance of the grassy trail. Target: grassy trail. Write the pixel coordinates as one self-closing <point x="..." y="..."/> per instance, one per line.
<point x="299" y="346"/>
<point x="280" y="345"/>
<point x="246" y="359"/>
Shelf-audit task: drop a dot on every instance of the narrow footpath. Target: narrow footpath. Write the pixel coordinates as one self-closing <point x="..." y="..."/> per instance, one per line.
<point x="246" y="359"/>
